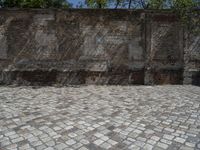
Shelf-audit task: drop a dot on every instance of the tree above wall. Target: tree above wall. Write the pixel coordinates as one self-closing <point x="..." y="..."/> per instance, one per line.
<point x="130" y="4"/>
<point x="142" y="4"/>
<point x="34" y="3"/>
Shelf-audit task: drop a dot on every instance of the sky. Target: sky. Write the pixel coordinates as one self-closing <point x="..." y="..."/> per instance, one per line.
<point x="75" y="2"/>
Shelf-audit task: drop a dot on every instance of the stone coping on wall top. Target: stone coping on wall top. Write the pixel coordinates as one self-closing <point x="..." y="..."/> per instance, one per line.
<point x="88" y="9"/>
<point x="92" y="9"/>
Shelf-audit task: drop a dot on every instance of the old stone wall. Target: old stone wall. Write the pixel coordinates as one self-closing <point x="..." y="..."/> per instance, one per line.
<point x="92" y="47"/>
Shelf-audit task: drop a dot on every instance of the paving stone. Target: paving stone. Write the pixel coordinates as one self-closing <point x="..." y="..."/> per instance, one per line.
<point x="49" y="148"/>
<point x="186" y="148"/>
<point x="84" y="141"/>
<point x="166" y="141"/>
<point x="77" y="145"/>
<point x="112" y="142"/>
<point x="98" y="142"/>
<point x="190" y="144"/>
<point x="10" y="133"/>
<point x="14" y="136"/>
<point x="148" y="147"/>
<point x="152" y="142"/>
<point x="134" y="147"/>
<point x="180" y="140"/>
<point x="141" y="139"/>
<point x="46" y="139"/>
<point x="70" y="142"/>
<point x="83" y="148"/>
<point x="5" y="143"/>
<point x="57" y="128"/>
<point x="12" y="146"/>
<point x="36" y="143"/>
<point x="106" y="145"/>
<point x="17" y="140"/>
<point x="149" y="131"/>
<point x="198" y="145"/>
<point x="41" y="147"/>
<point x="162" y="145"/>
<point x="72" y="135"/>
<point x="169" y="130"/>
<point x="50" y="143"/>
<point x="127" y="142"/>
<point x="168" y="137"/>
<point x="60" y="146"/>
<point x="98" y="135"/>
<point x="155" y="138"/>
<point x="104" y="138"/>
<point x="139" y="143"/>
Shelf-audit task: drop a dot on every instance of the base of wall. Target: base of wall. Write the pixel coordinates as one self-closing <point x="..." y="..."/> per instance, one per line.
<point x="71" y="78"/>
<point x="137" y="77"/>
<point x="163" y="76"/>
<point x="192" y="77"/>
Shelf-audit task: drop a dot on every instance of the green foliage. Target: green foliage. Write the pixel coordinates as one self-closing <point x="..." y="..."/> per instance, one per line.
<point x="34" y="3"/>
<point x="183" y="4"/>
<point x="96" y="3"/>
<point x="156" y="4"/>
<point x="119" y="3"/>
<point x="184" y="9"/>
<point x="173" y="4"/>
<point x="189" y="17"/>
<point x="193" y="22"/>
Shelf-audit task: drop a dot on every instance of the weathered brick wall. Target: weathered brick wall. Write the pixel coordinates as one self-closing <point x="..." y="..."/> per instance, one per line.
<point x="90" y="47"/>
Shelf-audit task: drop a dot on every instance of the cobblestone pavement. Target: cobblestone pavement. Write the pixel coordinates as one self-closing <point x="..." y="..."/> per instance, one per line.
<point x="100" y="117"/>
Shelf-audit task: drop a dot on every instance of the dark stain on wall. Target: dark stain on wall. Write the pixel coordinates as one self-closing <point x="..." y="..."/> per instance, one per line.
<point x="196" y="78"/>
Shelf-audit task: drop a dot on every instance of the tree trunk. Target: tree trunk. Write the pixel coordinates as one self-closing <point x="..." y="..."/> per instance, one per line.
<point x="145" y="6"/>
<point x="117" y="4"/>
<point x="99" y="5"/>
<point x="129" y="4"/>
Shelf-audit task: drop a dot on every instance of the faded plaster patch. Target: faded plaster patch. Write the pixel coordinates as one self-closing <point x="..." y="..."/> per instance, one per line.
<point x="162" y="42"/>
<point x="136" y="52"/>
<point x="3" y="39"/>
<point x="45" y="38"/>
<point x="94" y="41"/>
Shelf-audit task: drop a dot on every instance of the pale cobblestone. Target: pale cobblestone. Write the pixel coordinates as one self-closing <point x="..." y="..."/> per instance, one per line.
<point x="100" y="117"/>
